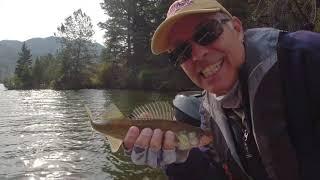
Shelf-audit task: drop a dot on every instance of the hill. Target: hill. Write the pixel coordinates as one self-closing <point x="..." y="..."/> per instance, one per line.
<point x="39" y="47"/>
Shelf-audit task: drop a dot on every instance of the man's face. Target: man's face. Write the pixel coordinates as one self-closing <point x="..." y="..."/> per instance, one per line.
<point x="215" y="66"/>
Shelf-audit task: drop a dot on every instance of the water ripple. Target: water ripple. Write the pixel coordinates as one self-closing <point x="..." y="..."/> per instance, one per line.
<point x="45" y="134"/>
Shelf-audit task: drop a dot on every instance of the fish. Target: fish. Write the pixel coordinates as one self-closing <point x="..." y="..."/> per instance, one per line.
<point x="156" y="115"/>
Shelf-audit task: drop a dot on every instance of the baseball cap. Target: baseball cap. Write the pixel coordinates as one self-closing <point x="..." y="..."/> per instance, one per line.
<point x="177" y="10"/>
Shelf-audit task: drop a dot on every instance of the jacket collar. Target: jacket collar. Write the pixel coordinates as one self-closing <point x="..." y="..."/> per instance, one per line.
<point x="260" y="46"/>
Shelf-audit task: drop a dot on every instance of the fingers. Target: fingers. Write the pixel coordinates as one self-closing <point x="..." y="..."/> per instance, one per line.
<point x="131" y="138"/>
<point x="144" y="138"/>
<point x="169" y="148"/>
<point x="156" y="140"/>
<point x="169" y="141"/>
<point x="148" y="138"/>
<point x="140" y="154"/>
<point x="154" y="152"/>
<point x="151" y="147"/>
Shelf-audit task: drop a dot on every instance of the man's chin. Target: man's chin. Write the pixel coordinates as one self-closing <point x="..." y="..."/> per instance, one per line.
<point x="217" y="91"/>
<point x="213" y="90"/>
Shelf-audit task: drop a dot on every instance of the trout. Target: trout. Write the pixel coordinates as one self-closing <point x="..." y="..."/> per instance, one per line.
<point x="157" y="115"/>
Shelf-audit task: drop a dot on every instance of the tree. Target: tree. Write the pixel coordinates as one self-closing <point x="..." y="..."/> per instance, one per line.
<point x="77" y="48"/>
<point x="23" y="68"/>
<point x="37" y="73"/>
<point x="288" y="15"/>
<point x="130" y="26"/>
<point x="46" y="70"/>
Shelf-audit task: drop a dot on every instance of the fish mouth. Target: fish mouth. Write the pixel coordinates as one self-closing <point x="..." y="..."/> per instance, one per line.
<point x="206" y="138"/>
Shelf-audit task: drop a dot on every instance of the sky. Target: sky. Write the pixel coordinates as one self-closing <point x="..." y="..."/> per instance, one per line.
<point x="25" y="19"/>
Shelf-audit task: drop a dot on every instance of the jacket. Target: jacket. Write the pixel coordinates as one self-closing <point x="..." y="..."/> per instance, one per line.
<point x="281" y="85"/>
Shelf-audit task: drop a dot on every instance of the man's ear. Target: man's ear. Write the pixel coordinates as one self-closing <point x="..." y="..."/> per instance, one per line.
<point x="237" y="25"/>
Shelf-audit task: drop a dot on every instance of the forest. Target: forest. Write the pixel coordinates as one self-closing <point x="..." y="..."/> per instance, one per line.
<point x="127" y="61"/>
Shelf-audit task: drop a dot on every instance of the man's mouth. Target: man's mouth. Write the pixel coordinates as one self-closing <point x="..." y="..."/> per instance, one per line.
<point x="212" y="69"/>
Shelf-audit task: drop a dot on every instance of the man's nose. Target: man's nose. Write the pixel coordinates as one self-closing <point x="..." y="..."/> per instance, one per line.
<point x="198" y="51"/>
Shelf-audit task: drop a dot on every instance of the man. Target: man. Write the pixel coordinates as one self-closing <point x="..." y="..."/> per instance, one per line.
<point x="261" y="95"/>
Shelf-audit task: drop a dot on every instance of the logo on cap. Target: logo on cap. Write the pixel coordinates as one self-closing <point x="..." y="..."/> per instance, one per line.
<point x="176" y="6"/>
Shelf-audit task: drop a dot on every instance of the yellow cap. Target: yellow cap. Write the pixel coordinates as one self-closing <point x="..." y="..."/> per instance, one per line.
<point x="177" y="10"/>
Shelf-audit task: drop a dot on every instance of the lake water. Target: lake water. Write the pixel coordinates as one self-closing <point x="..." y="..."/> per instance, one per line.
<point x="45" y="134"/>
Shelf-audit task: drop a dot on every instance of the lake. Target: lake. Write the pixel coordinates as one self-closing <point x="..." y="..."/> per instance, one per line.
<point x="45" y="134"/>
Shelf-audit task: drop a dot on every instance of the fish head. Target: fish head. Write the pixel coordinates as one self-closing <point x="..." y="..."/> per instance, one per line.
<point x="189" y="139"/>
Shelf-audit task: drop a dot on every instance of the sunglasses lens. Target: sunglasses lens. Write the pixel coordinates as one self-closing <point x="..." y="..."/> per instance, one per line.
<point x="204" y="35"/>
<point x="208" y="32"/>
<point x="180" y="54"/>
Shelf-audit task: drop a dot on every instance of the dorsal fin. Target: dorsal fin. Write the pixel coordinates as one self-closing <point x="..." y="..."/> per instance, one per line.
<point x="156" y="110"/>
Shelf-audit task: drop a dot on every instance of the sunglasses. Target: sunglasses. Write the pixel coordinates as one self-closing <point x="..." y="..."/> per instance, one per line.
<point x="205" y="34"/>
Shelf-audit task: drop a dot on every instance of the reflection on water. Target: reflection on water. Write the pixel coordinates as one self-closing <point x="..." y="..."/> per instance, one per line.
<point x="2" y="88"/>
<point x="46" y="134"/>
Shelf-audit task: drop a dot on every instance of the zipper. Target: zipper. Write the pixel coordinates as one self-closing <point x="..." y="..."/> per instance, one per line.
<point x="248" y="155"/>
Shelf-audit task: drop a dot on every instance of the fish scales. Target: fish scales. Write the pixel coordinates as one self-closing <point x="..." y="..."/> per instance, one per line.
<point x="159" y="115"/>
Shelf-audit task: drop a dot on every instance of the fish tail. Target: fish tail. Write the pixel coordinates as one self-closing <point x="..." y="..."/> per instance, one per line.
<point x="89" y="113"/>
<point x="115" y="143"/>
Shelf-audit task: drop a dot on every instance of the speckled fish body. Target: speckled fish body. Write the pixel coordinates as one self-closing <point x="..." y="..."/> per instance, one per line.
<point x="154" y="116"/>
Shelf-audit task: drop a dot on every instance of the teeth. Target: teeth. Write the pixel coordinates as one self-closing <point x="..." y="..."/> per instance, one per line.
<point x="212" y="69"/>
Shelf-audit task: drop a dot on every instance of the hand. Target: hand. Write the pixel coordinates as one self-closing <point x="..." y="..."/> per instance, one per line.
<point x="153" y="148"/>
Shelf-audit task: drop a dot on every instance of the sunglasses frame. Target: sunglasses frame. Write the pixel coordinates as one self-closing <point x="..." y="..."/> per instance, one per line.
<point x="183" y="52"/>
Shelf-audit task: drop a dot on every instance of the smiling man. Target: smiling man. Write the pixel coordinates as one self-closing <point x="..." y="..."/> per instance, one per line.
<point x="212" y="66"/>
<point x="261" y="93"/>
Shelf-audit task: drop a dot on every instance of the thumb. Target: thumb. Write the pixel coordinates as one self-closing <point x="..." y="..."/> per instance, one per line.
<point x="205" y="139"/>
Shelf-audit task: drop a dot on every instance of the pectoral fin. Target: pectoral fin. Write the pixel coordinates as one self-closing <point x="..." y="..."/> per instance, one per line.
<point x="114" y="143"/>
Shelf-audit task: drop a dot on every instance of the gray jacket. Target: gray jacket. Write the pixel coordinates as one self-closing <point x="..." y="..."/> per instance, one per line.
<point x="266" y="110"/>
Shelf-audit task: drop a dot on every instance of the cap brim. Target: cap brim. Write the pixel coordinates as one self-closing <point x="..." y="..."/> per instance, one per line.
<point x="160" y="41"/>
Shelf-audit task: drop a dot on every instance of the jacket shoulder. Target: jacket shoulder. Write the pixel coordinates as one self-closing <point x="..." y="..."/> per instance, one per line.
<point x="300" y="40"/>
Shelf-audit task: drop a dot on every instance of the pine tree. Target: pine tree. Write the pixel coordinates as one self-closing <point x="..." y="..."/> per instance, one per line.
<point x="129" y="28"/>
<point x="24" y="62"/>
<point x="23" y="68"/>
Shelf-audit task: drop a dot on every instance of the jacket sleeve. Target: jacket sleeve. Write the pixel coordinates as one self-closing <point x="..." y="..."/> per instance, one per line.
<point x="196" y="167"/>
<point x="299" y="55"/>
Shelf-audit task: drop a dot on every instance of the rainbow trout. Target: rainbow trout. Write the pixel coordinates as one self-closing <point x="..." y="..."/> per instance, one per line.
<point x="158" y="115"/>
